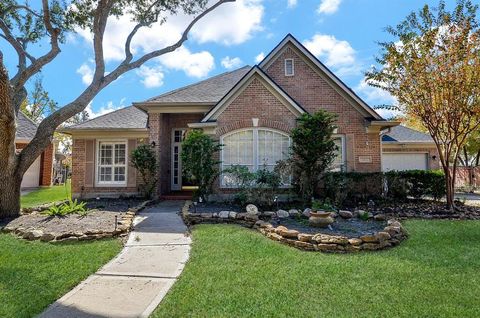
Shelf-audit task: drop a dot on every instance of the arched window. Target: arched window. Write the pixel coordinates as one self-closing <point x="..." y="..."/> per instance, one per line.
<point x="254" y="148"/>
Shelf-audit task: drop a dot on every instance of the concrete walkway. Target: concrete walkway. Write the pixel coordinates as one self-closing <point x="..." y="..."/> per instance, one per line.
<point x="134" y="282"/>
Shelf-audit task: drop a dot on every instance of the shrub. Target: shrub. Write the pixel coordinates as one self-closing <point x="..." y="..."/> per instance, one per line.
<point x="144" y="160"/>
<point x="347" y="188"/>
<point x="258" y="187"/>
<point x="313" y="151"/>
<point x="69" y="207"/>
<point x="198" y="150"/>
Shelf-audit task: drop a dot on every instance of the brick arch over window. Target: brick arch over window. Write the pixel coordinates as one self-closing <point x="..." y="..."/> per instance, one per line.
<point x="242" y="124"/>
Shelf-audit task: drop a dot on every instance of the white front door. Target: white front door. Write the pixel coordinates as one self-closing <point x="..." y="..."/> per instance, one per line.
<point x="177" y="138"/>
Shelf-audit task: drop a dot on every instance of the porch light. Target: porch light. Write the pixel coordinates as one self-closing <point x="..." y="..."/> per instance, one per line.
<point x="153" y="144"/>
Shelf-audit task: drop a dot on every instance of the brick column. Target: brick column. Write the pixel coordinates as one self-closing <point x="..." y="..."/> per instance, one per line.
<point x="46" y="166"/>
<point x="155" y="135"/>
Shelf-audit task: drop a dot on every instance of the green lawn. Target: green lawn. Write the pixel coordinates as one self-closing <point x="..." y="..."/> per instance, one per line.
<point x="236" y="272"/>
<point x="46" y="195"/>
<point x="34" y="274"/>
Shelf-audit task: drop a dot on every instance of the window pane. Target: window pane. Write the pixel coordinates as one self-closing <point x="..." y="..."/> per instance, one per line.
<point x="106" y="154"/>
<point x="272" y="147"/>
<point x="338" y="161"/>
<point x="119" y="174"/>
<point x="238" y="148"/>
<point x="120" y="150"/>
<point x="105" y="174"/>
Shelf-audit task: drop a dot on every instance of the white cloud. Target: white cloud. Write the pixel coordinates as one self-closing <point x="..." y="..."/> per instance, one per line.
<point x="105" y="109"/>
<point x="291" y="3"/>
<point x="334" y="53"/>
<point x="231" y="62"/>
<point x="193" y="64"/>
<point x="231" y="23"/>
<point x="86" y="72"/>
<point x="152" y="76"/>
<point x="328" y="6"/>
<point x="259" y="57"/>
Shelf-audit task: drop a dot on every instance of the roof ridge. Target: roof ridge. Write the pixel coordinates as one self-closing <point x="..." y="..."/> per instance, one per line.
<point x="196" y="83"/>
<point x="109" y="113"/>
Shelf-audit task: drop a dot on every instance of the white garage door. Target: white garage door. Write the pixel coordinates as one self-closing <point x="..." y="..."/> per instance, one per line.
<point x="404" y="161"/>
<point x="31" y="178"/>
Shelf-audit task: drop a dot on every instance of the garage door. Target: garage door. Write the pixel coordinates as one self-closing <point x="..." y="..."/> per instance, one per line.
<point x="404" y="161"/>
<point x="31" y="178"/>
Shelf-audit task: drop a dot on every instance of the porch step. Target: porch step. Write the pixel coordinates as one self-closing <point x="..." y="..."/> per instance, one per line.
<point x="180" y="195"/>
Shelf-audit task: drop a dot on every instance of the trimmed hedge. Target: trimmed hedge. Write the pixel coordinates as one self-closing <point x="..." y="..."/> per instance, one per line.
<point x="353" y="187"/>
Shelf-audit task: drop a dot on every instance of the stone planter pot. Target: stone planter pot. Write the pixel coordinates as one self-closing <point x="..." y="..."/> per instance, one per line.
<point x="320" y="219"/>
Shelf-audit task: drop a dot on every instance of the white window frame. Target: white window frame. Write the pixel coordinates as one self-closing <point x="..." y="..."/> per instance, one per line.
<point x="344" y="157"/>
<point x="112" y="183"/>
<point x="256" y="163"/>
<point x="293" y="67"/>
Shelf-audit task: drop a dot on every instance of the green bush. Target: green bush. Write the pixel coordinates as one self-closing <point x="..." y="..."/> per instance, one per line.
<point x="69" y="207"/>
<point x="144" y="160"/>
<point x="347" y="188"/>
<point x="259" y="188"/>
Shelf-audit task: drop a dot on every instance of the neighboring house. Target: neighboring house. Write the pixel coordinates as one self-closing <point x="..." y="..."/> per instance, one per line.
<point x="407" y="149"/>
<point x="251" y="111"/>
<point x="41" y="170"/>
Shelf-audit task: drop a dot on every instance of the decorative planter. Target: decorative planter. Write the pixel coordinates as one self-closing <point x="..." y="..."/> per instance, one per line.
<point x="320" y="219"/>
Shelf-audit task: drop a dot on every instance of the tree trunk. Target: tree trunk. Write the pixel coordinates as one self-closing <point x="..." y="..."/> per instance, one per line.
<point x="9" y="194"/>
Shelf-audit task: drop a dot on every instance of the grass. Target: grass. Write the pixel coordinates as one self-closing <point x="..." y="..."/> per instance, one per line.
<point x="35" y="274"/>
<point x="46" y="195"/>
<point x="236" y="272"/>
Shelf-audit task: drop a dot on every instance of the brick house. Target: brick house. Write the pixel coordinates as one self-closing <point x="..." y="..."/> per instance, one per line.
<point x="250" y="110"/>
<point x="41" y="171"/>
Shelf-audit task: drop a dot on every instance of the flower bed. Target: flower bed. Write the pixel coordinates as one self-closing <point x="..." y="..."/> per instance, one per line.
<point x="107" y="219"/>
<point x="389" y="235"/>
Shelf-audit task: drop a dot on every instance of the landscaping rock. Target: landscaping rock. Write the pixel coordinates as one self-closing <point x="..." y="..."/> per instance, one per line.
<point x="369" y="238"/>
<point x="379" y="217"/>
<point x="293" y="212"/>
<point x="383" y="236"/>
<point x="47" y="237"/>
<point x="269" y="214"/>
<point x="355" y="241"/>
<point x="232" y="214"/>
<point x="345" y="214"/>
<point x="305" y="237"/>
<point x="330" y="239"/>
<point x="252" y="209"/>
<point x="288" y="233"/>
<point x="223" y="214"/>
<point x="282" y="214"/>
<point x="329" y="247"/>
<point x="274" y="236"/>
<point x="306" y="212"/>
<point x="304" y="245"/>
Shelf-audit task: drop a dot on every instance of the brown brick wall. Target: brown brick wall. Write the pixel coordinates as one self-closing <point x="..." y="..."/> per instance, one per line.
<point x="80" y="169"/>
<point x="313" y="92"/>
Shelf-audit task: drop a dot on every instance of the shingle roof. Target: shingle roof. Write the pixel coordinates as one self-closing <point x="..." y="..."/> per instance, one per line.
<point x="125" y="118"/>
<point x="210" y="90"/>
<point x="403" y="134"/>
<point x="26" y="128"/>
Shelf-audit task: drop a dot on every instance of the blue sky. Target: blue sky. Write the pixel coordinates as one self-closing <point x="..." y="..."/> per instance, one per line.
<point x="341" y="33"/>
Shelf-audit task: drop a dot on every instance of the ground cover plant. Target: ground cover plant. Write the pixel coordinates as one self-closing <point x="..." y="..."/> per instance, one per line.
<point x="35" y="274"/>
<point x="236" y="272"/>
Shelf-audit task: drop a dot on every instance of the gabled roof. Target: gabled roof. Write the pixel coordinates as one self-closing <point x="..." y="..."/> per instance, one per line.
<point x="288" y="101"/>
<point x="26" y="128"/>
<point x="290" y="39"/>
<point x="402" y="134"/>
<point x="209" y="91"/>
<point x="125" y="118"/>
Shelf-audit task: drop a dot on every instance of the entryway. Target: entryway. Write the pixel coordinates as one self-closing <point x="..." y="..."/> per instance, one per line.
<point x="179" y="181"/>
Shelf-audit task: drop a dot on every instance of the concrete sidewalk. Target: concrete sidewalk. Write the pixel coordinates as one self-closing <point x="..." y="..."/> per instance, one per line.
<point x="134" y="282"/>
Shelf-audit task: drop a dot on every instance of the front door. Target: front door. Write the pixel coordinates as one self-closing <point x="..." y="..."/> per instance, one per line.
<point x="177" y="137"/>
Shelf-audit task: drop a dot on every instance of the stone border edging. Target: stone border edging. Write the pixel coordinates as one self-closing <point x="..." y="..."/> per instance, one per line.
<point x="391" y="235"/>
<point x="124" y="226"/>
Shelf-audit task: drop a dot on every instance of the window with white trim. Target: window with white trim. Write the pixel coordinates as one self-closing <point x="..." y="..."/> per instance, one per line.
<point x="112" y="162"/>
<point x="339" y="161"/>
<point x="256" y="149"/>
<point x="289" y="67"/>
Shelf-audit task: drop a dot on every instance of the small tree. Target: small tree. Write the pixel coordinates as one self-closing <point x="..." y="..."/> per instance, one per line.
<point x="144" y="160"/>
<point x="198" y="161"/>
<point x="432" y="67"/>
<point x="313" y="151"/>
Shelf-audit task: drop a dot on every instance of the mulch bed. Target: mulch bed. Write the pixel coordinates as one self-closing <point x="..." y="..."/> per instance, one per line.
<point x="106" y="218"/>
